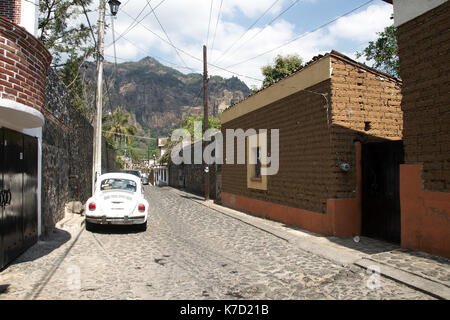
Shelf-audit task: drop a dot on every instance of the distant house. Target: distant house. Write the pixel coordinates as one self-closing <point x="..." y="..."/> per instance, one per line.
<point x="161" y="143"/>
<point x="423" y="40"/>
<point x="340" y="145"/>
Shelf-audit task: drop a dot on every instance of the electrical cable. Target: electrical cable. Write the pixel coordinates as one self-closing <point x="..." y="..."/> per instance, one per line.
<point x="167" y="36"/>
<point x="215" y="29"/>
<point x="272" y="21"/>
<point x="135" y="20"/>
<point x="301" y="36"/>
<point x="248" y="29"/>
<point x="209" y="22"/>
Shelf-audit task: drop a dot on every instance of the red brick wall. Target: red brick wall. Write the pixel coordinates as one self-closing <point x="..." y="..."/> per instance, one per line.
<point x="424" y="49"/>
<point x="23" y="66"/>
<point x="11" y="10"/>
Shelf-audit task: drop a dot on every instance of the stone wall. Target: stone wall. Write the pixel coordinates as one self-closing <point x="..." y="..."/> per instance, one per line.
<point x="191" y="176"/>
<point x="66" y="151"/>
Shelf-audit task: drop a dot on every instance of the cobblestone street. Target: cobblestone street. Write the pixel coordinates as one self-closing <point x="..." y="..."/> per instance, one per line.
<point x="188" y="252"/>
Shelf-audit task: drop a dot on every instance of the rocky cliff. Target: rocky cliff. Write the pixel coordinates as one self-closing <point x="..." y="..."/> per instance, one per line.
<point x="158" y="96"/>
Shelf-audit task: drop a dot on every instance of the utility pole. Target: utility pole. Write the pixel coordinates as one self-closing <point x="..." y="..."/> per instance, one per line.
<point x="99" y="96"/>
<point x="205" y="119"/>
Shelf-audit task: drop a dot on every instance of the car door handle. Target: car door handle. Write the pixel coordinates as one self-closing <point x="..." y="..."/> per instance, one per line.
<point x="2" y="198"/>
<point x="9" y="197"/>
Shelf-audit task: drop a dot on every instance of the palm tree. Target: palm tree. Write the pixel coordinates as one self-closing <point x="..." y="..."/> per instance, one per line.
<point x="116" y="125"/>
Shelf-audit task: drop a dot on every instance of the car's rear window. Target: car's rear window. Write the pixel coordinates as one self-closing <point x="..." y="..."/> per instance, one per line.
<point x="118" y="184"/>
<point x="134" y="172"/>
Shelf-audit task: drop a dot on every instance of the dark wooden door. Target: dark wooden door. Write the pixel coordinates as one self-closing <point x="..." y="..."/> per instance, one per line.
<point x="30" y="171"/>
<point x="381" y="190"/>
<point x="12" y="185"/>
<point x="2" y="199"/>
<point x="18" y="194"/>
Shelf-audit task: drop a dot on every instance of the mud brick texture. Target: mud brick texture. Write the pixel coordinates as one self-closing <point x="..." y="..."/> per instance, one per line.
<point x="363" y="105"/>
<point x="424" y="49"/>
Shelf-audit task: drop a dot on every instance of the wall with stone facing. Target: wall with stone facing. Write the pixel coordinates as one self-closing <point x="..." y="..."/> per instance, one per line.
<point x="55" y="155"/>
<point x="193" y="176"/>
<point x="66" y="151"/>
<point x="424" y="50"/>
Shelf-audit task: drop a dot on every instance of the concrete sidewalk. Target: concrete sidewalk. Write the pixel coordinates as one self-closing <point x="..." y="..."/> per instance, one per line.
<point x="419" y="270"/>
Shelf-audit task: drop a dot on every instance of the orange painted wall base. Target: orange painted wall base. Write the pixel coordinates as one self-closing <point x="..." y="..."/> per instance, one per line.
<point x="343" y="217"/>
<point x="425" y="216"/>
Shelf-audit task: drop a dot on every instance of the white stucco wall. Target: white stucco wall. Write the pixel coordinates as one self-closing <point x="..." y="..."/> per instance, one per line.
<point x="406" y="10"/>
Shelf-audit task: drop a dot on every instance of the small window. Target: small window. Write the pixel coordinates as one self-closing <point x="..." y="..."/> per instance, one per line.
<point x="258" y="163"/>
<point x="118" y="184"/>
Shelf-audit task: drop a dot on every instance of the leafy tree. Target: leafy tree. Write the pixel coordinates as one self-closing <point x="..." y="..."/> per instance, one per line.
<point x="282" y="67"/>
<point x="70" y="41"/>
<point x="73" y="74"/>
<point x="59" y="30"/>
<point x="116" y="126"/>
<point x="384" y="51"/>
<point x="188" y="124"/>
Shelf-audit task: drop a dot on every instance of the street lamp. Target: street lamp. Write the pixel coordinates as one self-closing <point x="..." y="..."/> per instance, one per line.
<point x="114" y="6"/>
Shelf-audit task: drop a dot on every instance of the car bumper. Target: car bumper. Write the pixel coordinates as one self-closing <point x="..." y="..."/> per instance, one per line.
<point x="116" y="220"/>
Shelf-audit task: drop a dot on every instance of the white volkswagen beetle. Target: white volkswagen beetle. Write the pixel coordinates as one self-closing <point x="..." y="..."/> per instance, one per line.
<point x="118" y="199"/>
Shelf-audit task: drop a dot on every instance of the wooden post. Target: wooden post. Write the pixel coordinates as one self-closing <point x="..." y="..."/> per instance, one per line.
<point x="205" y="116"/>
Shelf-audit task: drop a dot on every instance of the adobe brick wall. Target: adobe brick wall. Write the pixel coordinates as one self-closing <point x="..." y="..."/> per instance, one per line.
<point x="306" y="162"/>
<point x="310" y="150"/>
<point x="11" y="10"/>
<point x="23" y="66"/>
<point x="424" y="50"/>
<point x="365" y="106"/>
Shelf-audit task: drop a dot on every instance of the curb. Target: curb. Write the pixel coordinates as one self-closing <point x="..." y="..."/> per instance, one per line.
<point x="411" y="280"/>
<point x="332" y="253"/>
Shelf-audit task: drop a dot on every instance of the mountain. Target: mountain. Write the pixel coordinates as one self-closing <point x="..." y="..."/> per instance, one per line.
<point x="158" y="97"/>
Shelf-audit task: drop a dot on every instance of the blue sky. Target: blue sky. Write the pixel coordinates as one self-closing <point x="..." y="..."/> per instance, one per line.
<point x="186" y="24"/>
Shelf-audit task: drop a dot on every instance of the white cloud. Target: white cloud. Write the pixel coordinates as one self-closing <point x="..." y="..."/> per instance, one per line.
<point x="364" y="25"/>
<point x="186" y="22"/>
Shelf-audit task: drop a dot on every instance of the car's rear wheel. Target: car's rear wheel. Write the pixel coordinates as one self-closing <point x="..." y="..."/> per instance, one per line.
<point x="90" y="226"/>
<point x="142" y="226"/>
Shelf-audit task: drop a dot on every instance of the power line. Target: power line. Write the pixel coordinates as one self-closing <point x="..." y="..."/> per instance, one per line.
<point x="167" y="36"/>
<point x="130" y="135"/>
<point x="215" y="29"/>
<point x="301" y="36"/>
<point x="135" y="20"/>
<point x="209" y="22"/>
<point x="160" y="58"/>
<point x="260" y="17"/>
<point x="194" y="57"/>
<point x="272" y="21"/>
